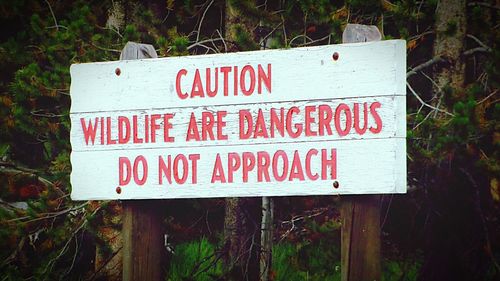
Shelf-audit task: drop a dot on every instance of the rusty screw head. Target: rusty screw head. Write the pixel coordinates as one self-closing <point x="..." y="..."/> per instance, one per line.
<point x="336" y="184"/>
<point x="118" y="190"/>
<point x="118" y="71"/>
<point x="335" y="56"/>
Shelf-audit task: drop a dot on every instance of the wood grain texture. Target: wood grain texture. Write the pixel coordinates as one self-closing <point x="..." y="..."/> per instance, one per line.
<point x="360" y="238"/>
<point x="142" y="241"/>
<point x="360" y="232"/>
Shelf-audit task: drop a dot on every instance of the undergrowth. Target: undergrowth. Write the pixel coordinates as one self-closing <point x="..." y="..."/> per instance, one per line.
<point x="313" y="261"/>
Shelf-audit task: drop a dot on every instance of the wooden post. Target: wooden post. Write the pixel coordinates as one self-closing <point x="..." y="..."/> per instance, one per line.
<point x="360" y="234"/>
<point x="360" y="242"/>
<point x="142" y="223"/>
<point x="142" y="241"/>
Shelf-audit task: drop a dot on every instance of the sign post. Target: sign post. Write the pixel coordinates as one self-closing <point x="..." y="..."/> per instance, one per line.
<point x="142" y="222"/>
<point x="360" y="232"/>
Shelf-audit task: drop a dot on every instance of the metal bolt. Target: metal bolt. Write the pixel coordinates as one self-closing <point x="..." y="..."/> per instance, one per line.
<point x="118" y="190"/>
<point x="118" y="71"/>
<point x="335" y="56"/>
<point x="336" y="184"/>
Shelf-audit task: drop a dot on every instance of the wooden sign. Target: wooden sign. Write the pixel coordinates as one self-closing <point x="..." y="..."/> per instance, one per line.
<point x="307" y="121"/>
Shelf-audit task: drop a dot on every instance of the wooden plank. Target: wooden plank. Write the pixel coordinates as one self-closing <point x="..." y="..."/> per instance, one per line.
<point x="391" y="113"/>
<point x="142" y="224"/>
<point x="361" y="70"/>
<point x="360" y="232"/>
<point x="360" y="169"/>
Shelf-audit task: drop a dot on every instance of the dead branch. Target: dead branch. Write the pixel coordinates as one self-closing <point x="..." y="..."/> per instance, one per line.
<point x="489" y="96"/>
<point x="484" y="4"/>
<point x="11" y="168"/>
<point x="53" y="16"/>
<point x="223" y="41"/>
<point x="478" y="41"/>
<point x="202" y="44"/>
<point x="426" y="104"/>
<point x="296" y="219"/>
<point x="424" y="65"/>
<point x="315" y="41"/>
<point x="52" y="262"/>
<point x="49" y="215"/>
<point x="201" y="20"/>
<point x="105" y="49"/>
<point x="269" y="34"/>
<point x="476" y="50"/>
<point x="300" y="36"/>
<point x="42" y="113"/>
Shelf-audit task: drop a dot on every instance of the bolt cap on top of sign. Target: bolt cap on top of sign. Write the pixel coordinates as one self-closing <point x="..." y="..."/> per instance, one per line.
<point x="320" y="120"/>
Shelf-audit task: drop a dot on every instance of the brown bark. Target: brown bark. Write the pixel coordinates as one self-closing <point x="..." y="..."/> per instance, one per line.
<point x="449" y="43"/>
<point x="143" y="247"/>
<point x="360" y="238"/>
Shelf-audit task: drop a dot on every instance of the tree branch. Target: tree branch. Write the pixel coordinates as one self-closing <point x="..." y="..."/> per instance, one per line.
<point x="201" y="20"/>
<point x="478" y="41"/>
<point x="11" y="168"/>
<point x="48" y="215"/>
<point x="476" y="50"/>
<point x="424" y="65"/>
<point x="484" y="4"/>
<point x="426" y="104"/>
<point x="53" y="16"/>
<point x="202" y="44"/>
<point x="269" y="34"/>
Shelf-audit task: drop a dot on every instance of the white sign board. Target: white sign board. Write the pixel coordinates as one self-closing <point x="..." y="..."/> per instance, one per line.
<point x="308" y="121"/>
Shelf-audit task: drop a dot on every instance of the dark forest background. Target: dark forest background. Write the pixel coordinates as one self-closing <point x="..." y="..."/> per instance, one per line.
<point x="445" y="228"/>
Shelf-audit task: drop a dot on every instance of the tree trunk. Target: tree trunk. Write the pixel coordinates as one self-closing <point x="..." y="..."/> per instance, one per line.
<point x="241" y="228"/>
<point x="241" y="233"/>
<point x="449" y="43"/>
<point x="266" y="239"/>
<point x="266" y="227"/>
<point x="443" y="246"/>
